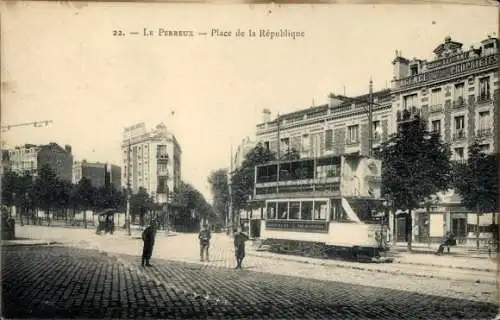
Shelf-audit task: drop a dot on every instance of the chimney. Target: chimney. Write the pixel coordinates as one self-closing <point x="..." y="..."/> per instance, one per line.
<point x="67" y="148"/>
<point x="266" y="115"/>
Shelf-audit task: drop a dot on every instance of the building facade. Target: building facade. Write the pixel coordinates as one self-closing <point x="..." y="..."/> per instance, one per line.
<point x="29" y="158"/>
<point x="241" y="151"/>
<point x="152" y="160"/>
<point x="97" y="173"/>
<point x="457" y="93"/>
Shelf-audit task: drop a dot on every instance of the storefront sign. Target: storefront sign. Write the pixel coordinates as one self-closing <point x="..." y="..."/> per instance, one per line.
<point x="459" y="68"/>
<point x="298" y="225"/>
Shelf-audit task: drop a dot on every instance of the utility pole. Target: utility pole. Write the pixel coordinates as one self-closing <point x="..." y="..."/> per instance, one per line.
<point x="229" y="178"/>
<point x="127" y="212"/>
<point x="278" y="119"/>
<point x="370" y="121"/>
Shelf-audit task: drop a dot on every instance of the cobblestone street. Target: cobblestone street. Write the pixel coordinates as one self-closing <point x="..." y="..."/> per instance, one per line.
<point x="56" y="281"/>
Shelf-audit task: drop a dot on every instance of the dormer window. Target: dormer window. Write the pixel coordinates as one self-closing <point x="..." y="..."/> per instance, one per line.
<point x="414" y="70"/>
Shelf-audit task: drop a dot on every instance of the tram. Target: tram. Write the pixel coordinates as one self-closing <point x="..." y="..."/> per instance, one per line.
<point x="324" y="206"/>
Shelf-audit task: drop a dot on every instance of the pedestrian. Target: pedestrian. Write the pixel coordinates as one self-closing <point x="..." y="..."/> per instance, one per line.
<point x="204" y="237"/>
<point x="148" y="237"/>
<point x="239" y="246"/>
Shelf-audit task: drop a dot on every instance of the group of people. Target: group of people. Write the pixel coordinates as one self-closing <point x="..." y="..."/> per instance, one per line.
<point x="149" y="234"/>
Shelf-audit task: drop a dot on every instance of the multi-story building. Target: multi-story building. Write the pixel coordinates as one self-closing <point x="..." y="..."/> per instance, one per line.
<point x="29" y="158"/>
<point x="152" y="160"/>
<point x="457" y="93"/>
<point x="338" y="127"/>
<point x="97" y="173"/>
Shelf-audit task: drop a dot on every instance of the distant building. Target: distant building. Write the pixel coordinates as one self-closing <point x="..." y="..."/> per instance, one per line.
<point x="241" y="151"/>
<point x="29" y="158"/>
<point x="97" y="173"/>
<point x="152" y="160"/>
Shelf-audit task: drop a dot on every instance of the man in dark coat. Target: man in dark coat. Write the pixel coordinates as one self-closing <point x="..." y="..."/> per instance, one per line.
<point x="204" y="237"/>
<point x="148" y="237"/>
<point x="239" y="246"/>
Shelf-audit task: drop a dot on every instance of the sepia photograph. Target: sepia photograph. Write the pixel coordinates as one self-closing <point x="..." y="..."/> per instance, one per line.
<point x="169" y="160"/>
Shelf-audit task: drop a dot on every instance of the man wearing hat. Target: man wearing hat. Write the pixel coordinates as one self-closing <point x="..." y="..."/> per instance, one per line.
<point x="148" y="237"/>
<point x="204" y="237"/>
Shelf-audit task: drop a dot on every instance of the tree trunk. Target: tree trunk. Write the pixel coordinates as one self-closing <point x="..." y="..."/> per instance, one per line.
<point x="409" y="230"/>
<point x="85" y="218"/>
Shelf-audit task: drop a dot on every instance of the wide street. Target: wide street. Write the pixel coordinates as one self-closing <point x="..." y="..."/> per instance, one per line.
<point x="100" y="276"/>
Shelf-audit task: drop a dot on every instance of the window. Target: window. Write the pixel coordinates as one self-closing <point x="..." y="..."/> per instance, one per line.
<point x="410" y="101"/>
<point x="307" y="210"/>
<point x="436" y="126"/>
<point x="414" y="69"/>
<point x="320" y="210"/>
<point x="459" y="123"/>
<point x="266" y="145"/>
<point x="294" y="213"/>
<point x="484" y="88"/>
<point x="436" y="97"/>
<point x="285" y="145"/>
<point x="376" y="130"/>
<point x="306" y="143"/>
<point x="329" y="139"/>
<point x="484" y="120"/>
<point x="282" y="210"/>
<point x="459" y="93"/>
<point x="353" y="134"/>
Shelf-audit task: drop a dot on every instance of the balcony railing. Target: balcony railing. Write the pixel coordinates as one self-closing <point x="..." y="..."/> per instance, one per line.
<point x="459" y="135"/>
<point x="459" y="103"/>
<point x="484" y="133"/>
<point x="484" y="98"/>
<point x="409" y="114"/>
<point x="436" y="108"/>
<point x="352" y="142"/>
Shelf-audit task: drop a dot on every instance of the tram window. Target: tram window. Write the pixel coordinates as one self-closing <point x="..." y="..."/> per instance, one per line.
<point x="271" y="210"/>
<point x="282" y="210"/>
<point x="320" y="210"/>
<point x="294" y="210"/>
<point x="307" y="210"/>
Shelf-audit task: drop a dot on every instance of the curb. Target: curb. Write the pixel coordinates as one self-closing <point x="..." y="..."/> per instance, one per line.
<point x="365" y="269"/>
<point x="25" y="244"/>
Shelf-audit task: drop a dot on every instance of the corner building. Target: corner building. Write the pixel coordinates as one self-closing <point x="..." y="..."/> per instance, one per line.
<point x="457" y="94"/>
<point x="152" y="160"/>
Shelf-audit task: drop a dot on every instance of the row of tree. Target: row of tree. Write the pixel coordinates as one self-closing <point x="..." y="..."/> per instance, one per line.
<point x="50" y="193"/>
<point x="416" y="164"/>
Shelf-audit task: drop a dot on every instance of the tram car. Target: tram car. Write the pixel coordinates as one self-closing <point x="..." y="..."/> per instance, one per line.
<point x="323" y="207"/>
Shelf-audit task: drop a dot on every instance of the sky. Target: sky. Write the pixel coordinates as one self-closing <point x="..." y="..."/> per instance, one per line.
<point x="62" y="63"/>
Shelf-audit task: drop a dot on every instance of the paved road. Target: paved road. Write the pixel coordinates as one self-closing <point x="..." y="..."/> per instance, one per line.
<point x="53" y="281"/>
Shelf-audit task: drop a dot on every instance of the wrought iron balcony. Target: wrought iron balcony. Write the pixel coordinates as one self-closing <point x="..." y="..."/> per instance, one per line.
<point x="409" y="114"/>
<point x="352" y="142"/>
<point x="436" y="108"/>
<point x="484" y="133"/>
<point x="459" y="103"/>
<point x="484" y="98"/>
<point x="459" y="135"/>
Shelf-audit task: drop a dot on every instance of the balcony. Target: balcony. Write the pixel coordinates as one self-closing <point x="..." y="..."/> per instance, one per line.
<point x="436" y="108"/>
<point x="459" y="103"/>
<point x="459" y="135"/>
<point x="409" y="114"/>
<point x="484" y="133"/>
<point x="484" y="99"/>
<point x="352" y="142"/>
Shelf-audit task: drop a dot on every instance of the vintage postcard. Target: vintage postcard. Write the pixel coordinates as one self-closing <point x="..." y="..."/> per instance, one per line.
<point x="249" y="160"/>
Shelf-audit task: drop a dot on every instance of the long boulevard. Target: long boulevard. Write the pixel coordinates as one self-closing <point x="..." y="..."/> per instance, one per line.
<point x="86" y="275"/>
